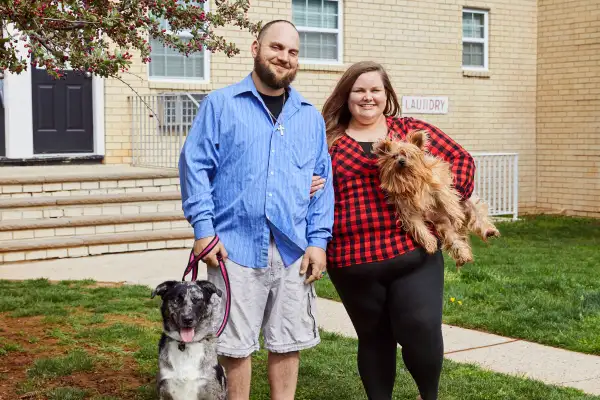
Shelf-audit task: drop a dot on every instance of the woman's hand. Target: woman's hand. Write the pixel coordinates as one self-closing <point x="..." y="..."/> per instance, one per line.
<point x="317" y="184"/>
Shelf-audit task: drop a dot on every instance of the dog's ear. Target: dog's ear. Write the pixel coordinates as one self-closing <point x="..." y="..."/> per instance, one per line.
<point x="382" y="146"/>
<point x="163" y="288"/>
<point x="210" y="288"/>
<point x="418" y="138"/>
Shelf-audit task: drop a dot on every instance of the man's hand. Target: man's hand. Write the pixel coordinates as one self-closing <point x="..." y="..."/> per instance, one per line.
<point x="313" y="264"/>
<point x="211" y="258"/>
<point x="317" y="184"/>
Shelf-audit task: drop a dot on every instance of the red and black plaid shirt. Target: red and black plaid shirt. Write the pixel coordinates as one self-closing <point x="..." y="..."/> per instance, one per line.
<point x="365" y="228"/>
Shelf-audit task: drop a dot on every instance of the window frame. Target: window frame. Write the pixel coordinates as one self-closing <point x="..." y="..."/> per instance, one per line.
<point x="485" y="40"/>
<point x="205" y="79"/>
<point x="340" y="40"/>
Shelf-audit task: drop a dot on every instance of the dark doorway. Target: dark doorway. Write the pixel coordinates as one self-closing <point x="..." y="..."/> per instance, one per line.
<point x="62" y="113"/>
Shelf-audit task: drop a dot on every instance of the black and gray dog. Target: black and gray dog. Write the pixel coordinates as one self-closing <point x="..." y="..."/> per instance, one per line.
<point x="188" y="368"/>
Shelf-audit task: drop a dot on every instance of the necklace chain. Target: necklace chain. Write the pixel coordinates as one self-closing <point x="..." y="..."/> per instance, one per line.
<point x="273" y="116"/>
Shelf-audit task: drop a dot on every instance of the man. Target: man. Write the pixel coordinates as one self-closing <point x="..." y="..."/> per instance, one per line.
<point x="246" y="171"/>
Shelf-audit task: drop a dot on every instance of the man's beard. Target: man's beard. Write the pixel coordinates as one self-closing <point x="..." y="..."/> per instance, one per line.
<point x="269" y="78"/>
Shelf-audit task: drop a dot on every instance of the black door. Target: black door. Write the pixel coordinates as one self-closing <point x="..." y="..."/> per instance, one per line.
<point x="62" y="113"/>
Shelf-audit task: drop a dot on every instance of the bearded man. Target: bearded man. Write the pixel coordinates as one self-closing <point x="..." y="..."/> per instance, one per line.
<point x="246" y="171"/>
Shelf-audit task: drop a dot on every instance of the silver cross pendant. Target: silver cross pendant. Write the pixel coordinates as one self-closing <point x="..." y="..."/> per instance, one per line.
<point x="280" y="128"/>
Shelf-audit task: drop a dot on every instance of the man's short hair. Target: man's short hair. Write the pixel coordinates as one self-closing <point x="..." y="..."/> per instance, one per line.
<point x="265" y="28"/>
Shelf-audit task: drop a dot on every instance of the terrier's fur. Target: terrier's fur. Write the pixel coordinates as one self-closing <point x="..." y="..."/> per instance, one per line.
<point x="421" y="188"/>
<point x="188" y="366"/>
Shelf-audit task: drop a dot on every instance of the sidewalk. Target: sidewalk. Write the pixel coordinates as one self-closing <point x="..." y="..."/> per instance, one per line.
<point x="496" y="353"/>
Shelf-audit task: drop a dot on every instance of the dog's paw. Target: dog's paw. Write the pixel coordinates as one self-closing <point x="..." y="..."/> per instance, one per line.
<point x="488" y="232"/>
<point x="461" y="254"/>
<point x="493" y="232"/>
<point x="430" y="245"/>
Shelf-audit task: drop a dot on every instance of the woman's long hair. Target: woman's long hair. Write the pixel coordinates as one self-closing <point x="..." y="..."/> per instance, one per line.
<point x="335" y="111"/>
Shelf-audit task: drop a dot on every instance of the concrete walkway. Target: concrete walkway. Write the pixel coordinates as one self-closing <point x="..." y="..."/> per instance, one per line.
<point x="518" y="357"/>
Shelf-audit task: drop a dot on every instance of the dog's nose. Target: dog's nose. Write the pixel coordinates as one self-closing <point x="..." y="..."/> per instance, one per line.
<point x="401" y="162"/>
<point x="187" y="320"/>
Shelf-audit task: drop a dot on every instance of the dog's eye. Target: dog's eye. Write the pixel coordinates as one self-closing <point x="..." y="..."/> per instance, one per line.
<point x="195" y="299"/>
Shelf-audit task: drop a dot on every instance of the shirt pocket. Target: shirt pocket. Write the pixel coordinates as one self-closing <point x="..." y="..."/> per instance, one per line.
<point x="239" y="144"/>
<point x="301" y="153"/>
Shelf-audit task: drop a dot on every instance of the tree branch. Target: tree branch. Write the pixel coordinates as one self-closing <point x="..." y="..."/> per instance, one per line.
<point x="140" y="97"/>
<point x="44" y="42"/>
<point x="76" y="24"/>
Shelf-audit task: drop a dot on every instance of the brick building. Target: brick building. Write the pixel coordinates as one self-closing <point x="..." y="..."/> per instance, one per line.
<point x="517" y="76"/>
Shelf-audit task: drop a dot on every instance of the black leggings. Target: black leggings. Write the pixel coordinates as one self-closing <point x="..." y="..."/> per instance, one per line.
<point x="397" y="301"/>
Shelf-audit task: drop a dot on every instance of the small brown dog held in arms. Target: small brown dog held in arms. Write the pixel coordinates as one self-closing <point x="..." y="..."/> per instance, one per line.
<point x="421" y="188"/>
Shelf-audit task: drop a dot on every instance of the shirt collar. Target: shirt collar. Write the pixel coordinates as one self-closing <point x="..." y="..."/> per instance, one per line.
<point x="247" y="85"/>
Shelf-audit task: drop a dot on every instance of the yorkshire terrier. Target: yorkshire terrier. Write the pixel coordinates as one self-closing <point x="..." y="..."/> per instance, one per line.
<point x="420" y="186"/>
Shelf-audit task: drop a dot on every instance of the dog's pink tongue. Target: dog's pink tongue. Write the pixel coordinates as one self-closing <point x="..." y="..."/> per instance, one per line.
<point x="187" y="334"/>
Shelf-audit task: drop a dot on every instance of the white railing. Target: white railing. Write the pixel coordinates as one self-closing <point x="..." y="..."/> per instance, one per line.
<point x="159" y="126"/>
<point x="497" y="182"/>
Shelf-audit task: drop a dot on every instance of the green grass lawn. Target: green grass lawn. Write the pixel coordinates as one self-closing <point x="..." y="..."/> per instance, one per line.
<point x="75" y="340"/>
<point x="540" y="281"/>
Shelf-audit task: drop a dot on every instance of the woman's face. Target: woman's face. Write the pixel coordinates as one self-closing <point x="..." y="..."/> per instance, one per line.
<point x="367" y="98"/>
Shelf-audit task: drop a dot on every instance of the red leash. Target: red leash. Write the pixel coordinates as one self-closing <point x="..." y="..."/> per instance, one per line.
<point x="193" y="268"/>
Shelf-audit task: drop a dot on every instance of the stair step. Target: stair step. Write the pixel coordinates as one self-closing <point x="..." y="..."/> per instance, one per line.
<point x="82" y="210"/>
<point x="74" y="206"/>
<point x="95" y="199"/>
<point x="87" y="221"/>
<point x="85" y="245"/>
<point x="89" y="225"/>
<point x="59" y="174"/>
<point x="89" y="188"/>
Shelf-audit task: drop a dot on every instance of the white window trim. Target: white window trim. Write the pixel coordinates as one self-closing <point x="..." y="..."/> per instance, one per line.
<point x="207" y="54"/>
<point x="485" y="40"/>
<point x="340" y="39"/>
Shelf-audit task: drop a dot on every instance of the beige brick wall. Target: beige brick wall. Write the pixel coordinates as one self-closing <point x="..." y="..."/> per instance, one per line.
<point x="568" y="140"/>
<point x="419" y="42"/>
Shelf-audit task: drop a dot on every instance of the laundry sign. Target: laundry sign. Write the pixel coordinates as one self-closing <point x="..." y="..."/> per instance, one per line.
<point x="424" y="104"/>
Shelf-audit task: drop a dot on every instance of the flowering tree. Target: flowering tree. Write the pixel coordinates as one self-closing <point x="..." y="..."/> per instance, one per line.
<point x="99" y="36"/>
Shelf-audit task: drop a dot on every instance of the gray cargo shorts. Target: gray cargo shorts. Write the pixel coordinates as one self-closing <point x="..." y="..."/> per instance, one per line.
<point x="274" y="299"/>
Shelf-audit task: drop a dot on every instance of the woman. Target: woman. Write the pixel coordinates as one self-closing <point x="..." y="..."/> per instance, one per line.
<point x="391" y="288"/>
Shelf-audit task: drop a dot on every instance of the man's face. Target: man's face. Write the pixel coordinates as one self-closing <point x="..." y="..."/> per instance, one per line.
<point x="276" y="56"/>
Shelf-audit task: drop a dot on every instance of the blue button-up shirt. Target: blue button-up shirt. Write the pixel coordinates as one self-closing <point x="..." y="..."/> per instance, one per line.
<point x="244" y="179"/>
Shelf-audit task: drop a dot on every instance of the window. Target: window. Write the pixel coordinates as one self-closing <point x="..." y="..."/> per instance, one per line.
<point x="475" y="39"/>
<point x="319" y="23"/>
<point x="169" y="64"/>
<point x="176" y="111"/>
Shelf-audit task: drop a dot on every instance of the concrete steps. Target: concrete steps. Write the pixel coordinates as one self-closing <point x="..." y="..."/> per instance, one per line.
<point x="70" y="187"/>
<point x="74" y="206"/>
<point x="89" y="225"/>
<point x="86" y="245"/>
<point x="65" y="212"/>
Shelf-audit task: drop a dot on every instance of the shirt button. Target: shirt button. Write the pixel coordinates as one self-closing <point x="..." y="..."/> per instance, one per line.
<point x="270" y="194"/>
<point x="272" y="150"/>
<point x="272" y="172"/>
